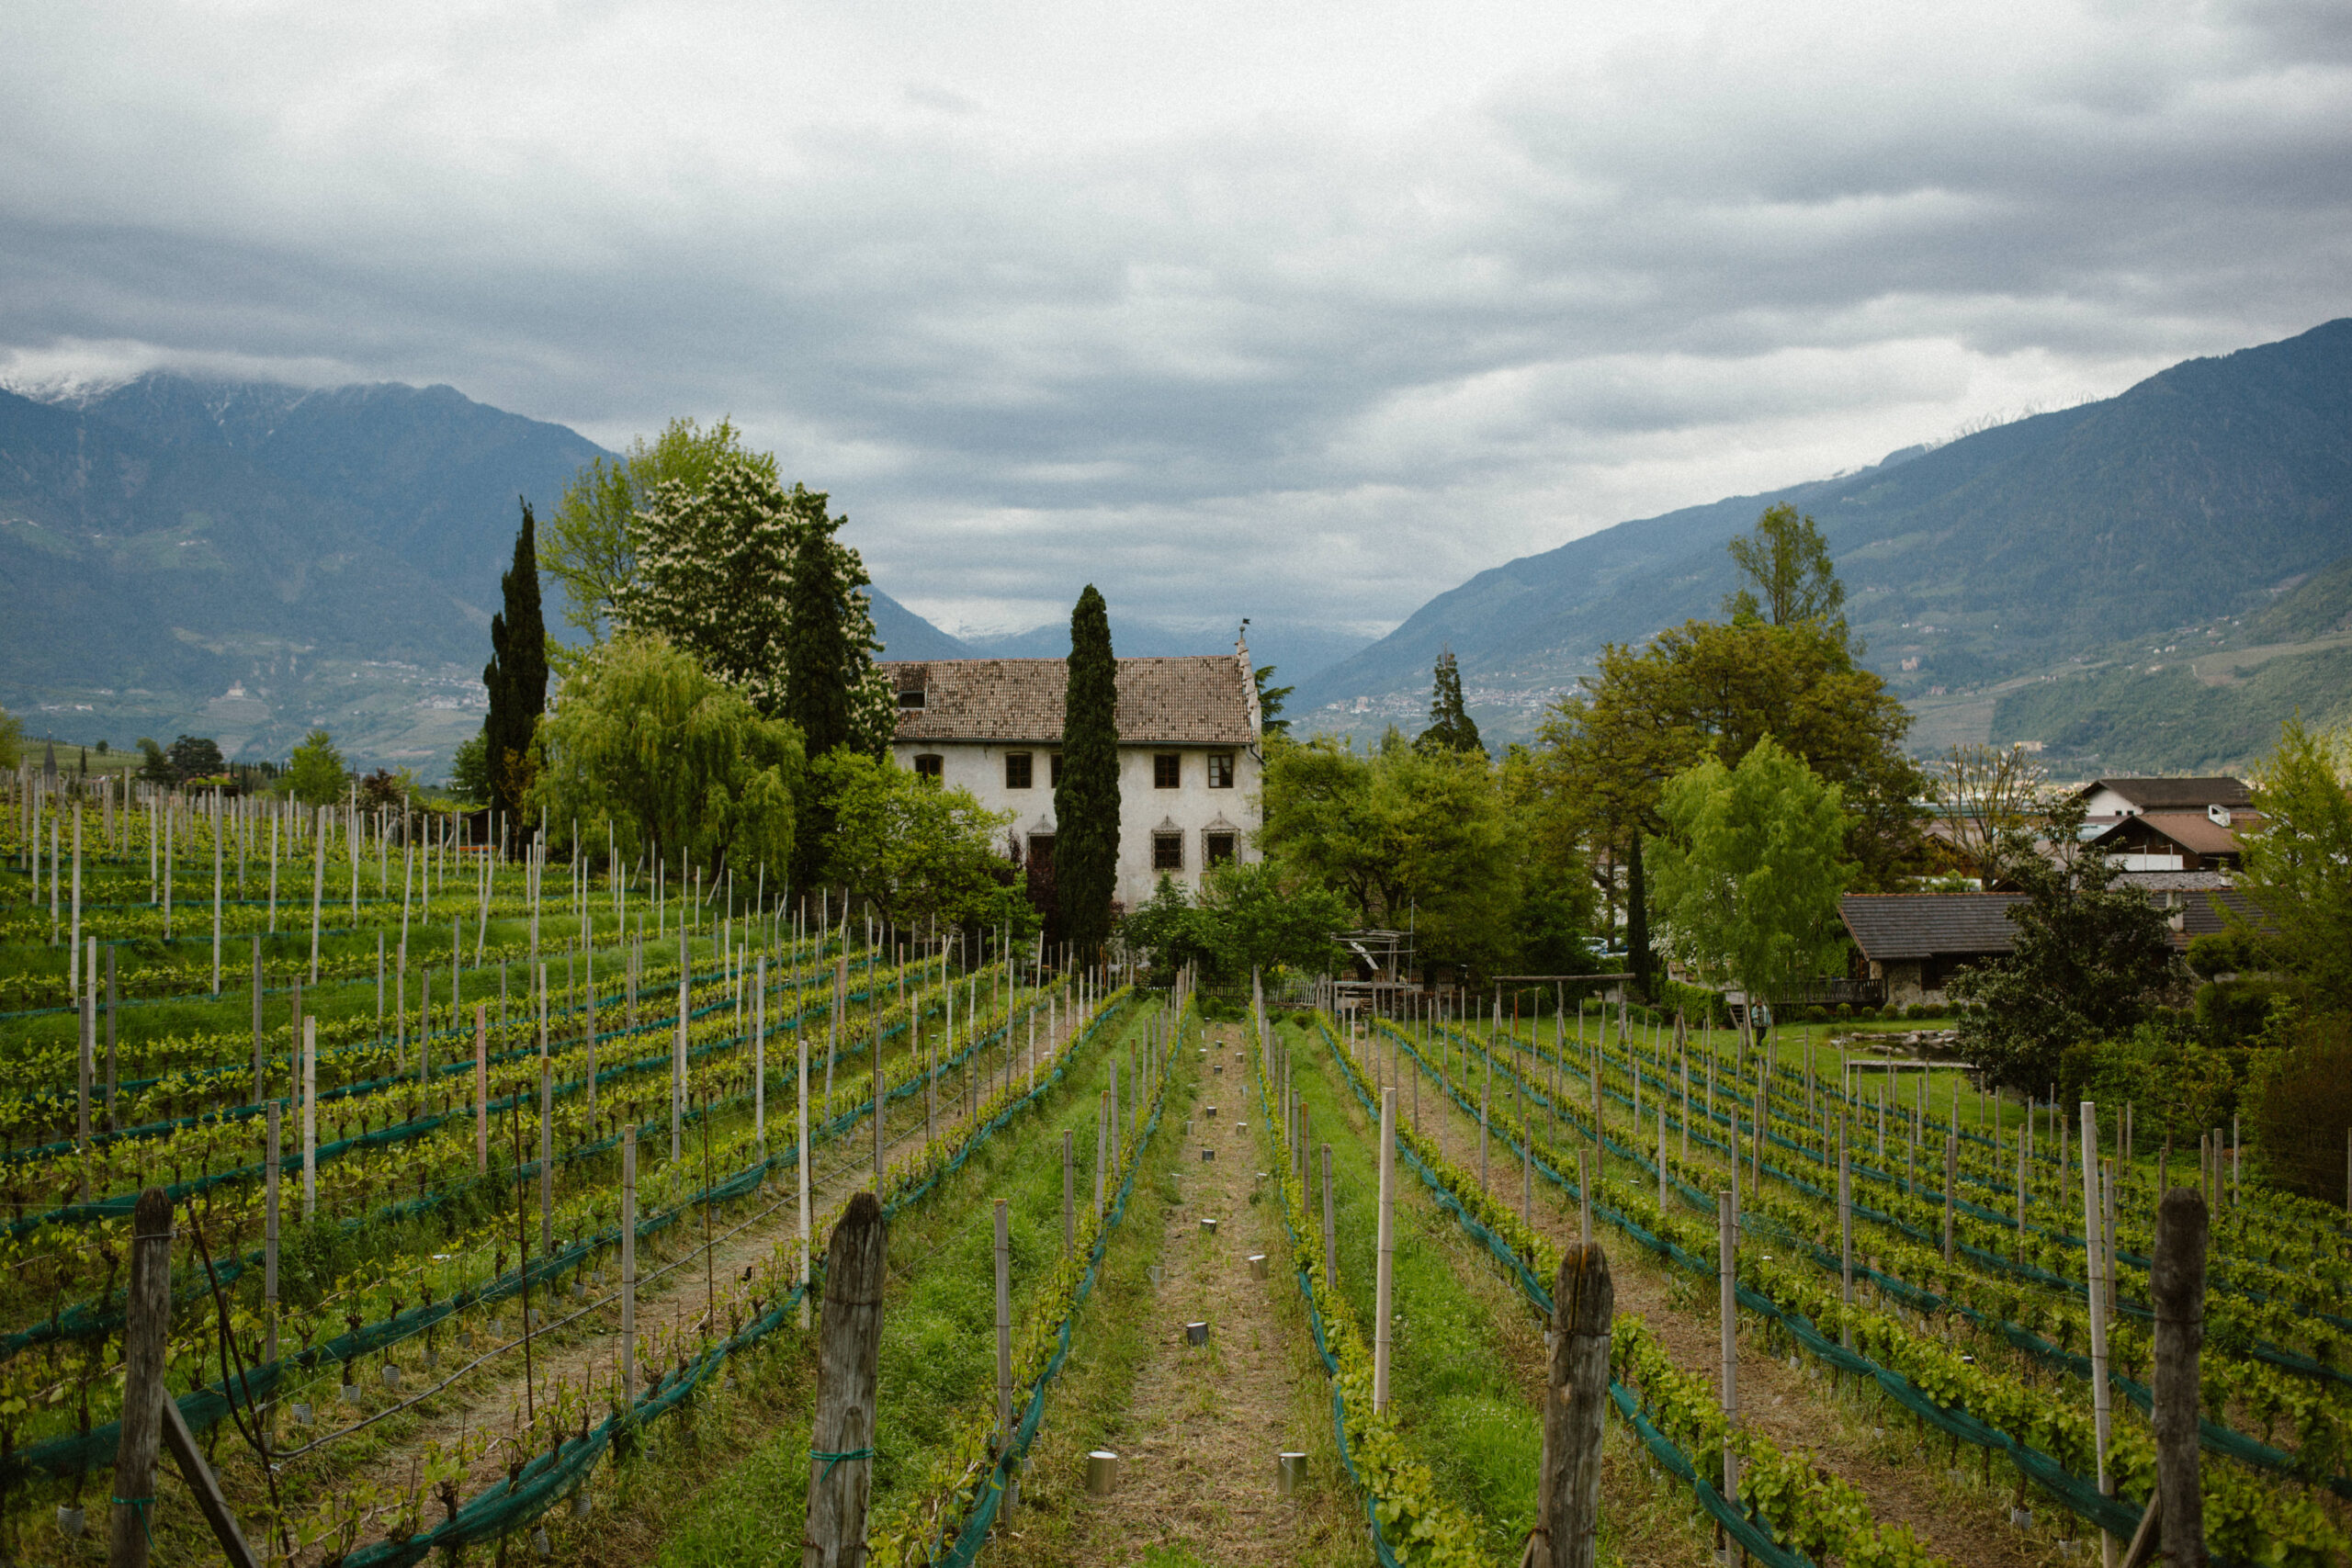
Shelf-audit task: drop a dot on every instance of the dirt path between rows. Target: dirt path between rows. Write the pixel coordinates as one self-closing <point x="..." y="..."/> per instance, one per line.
<point x="1199" y="1472"/>
<point x="1794" y="1406"/>
<point x="582" y="1344"/>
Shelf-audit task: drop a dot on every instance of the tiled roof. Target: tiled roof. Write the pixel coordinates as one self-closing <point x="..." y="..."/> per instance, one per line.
<point x="2192" y="831"/>
<point x="1927" y="925"/>
<point x="2174" y="881"/>
<point x="1204" y="701"/>
<point x="2176" y="794"/>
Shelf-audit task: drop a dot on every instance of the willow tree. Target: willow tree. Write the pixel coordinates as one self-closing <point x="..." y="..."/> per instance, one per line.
<point x="1086" y="801"/>
<point x="645" y="738"/>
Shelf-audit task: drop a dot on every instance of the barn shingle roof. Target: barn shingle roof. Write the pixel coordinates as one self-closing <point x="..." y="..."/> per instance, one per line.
<point x="1929" y="925"/>
<point x="1199" y="701"/>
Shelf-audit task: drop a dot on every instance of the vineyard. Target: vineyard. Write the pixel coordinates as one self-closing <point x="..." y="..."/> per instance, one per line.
<point x="500" y="1189"/>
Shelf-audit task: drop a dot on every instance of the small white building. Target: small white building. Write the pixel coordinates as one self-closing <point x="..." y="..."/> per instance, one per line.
<point x="1190" y="766"/>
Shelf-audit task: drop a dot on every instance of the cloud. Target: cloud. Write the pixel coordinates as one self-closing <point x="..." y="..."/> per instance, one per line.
<point x="1300" y="315"/>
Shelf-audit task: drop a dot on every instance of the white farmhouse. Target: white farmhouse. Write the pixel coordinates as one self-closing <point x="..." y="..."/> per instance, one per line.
<point x="1189" y="757"/>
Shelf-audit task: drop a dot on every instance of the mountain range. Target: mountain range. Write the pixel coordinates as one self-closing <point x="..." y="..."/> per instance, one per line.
<point x="2059" y="552"/>
<point x="2150" y="581"/>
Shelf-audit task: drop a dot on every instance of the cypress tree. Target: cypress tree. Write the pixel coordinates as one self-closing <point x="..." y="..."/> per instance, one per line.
<point x="1086" y="802"/>
<point x="826" y="654"/>
<point x="1451" y="725"/>
<point x="517" y="676"/>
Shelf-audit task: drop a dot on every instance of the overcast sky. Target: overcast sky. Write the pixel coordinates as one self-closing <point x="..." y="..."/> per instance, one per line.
<point x="1305" y="312"/>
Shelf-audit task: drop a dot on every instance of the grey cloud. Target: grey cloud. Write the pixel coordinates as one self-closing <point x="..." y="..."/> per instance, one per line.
<point x="1336" y="365"/>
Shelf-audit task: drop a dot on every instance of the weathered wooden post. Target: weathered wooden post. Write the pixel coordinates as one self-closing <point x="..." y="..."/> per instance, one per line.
<point x="628" y="1263"/>
<point x="1567" y="1486"/>
<point x="841" y="1440"/>
<point x="2177" y="1283"/>
<point x="1330" y="1230"/>
<point x="147" y="1320"/>
<point x="1003" y="1334"/>
<point x="1069" y="1191"/>
<point x="1384" y="1284"/>
<point x="1727" y="1279"/>
<point x="1845" y="1233"/>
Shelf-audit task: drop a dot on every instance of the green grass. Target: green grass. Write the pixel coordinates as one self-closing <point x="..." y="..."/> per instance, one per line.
<point x="938" y="1353"/>
<point x="1449" y="1377"/>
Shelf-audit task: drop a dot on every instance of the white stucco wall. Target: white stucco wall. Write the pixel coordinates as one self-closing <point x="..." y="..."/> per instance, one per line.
<point x="1192" y="808"/>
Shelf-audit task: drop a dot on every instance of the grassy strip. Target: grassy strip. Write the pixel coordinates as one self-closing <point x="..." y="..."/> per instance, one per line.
<point x="938" y="1355"/>
<point x="1451" y="1396"/>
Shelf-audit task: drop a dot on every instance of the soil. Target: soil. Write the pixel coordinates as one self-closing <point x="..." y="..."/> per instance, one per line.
<point x="1200" y="1474"/>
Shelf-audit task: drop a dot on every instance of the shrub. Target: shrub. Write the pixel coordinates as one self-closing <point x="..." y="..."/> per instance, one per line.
<point x="1845" y="1009"/>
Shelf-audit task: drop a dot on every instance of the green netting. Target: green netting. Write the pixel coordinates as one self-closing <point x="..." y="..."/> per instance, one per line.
<point x="459" y="1062"/>
<point x="2080" y="1496"/>
<point x="1750" y="1532"/>
<point x="75" y="1453"/>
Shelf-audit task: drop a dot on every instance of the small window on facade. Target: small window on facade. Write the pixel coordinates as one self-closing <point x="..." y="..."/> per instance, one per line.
<point x="1016" y="769"/>
<point x="911" y="697"/>
<point x="1167" y="770"/>
<point x="1220" y="769"/>
<point x="1220" y="847"/>
<point x="1054" y="767"/>
<point x="1167" y="852"/>
<point x="930" y="766"/>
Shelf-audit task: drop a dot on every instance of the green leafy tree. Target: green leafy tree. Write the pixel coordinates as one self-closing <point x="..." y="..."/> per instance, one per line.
<point x="196" y="756"/>
<point x="714" y="572"/>
<point x="516" y="677"/>
<point x="1269" y="702"/>
<point x="1748" y="872"/>
<point x="317" y="773"/>
<point x="1705" y="689"/>
<point x="1790" y="578"/>
<point x="1637" y="916"/>
<point x="591" y="545"/>
<point x="2297" y="863"/>
<point x="1411" y="838"/>
<point x="1451" y="727"/>
<point x="2090" y="962"/>
<point x="924" y="856"/>
<point x="1169" y="929"/>
<point x="469" y="769"/>
<point x="1266" y="916"/>
<point x="643" y="737"/>
<point x="1086" y="801"/>
<point x="157" y="768"/>
<point x="12" y="740"/>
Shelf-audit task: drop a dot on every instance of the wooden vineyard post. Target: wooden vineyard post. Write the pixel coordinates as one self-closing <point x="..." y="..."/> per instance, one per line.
<point x="85" y="1069"/>
<point x="269" y="1235"/>
<point x="1726" y="1278"/>
<point x="2095" y="1277"/>
<point x="1845" y="1235"/>
<point x="881" y="1106"/>
<point x="678" y="1046"/>
<point x="2177" y="1283"/>
<point x="840" y="1438"/>
<point x="1661" y="1163"/>
<point x="802" y="1159"/>
<point x="1330" y="1230"/>
<point x="1384" y="1284"/>
<point x="481" y="1086"/>
<point x="147" y="1320"/>
<point x="759" y="1059"/>
<point x="114" y="1008"/>
<point x="1585" y="1163"/>
<point x="628" y="1263"/>
<point x="1101" y="1145"/>
<point x="1003" y="1333"/>
<point x="310" y="1119"/>
<point x="1567" y="1486"/>
<point x="258" y="1063"/>
<point x="1951" y="1182"/>
<point x="1069" y="1191"/>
